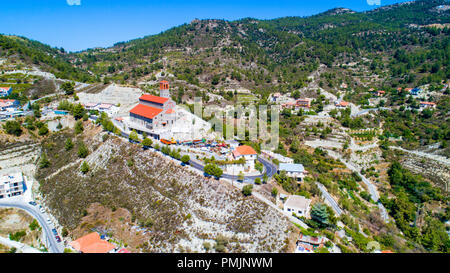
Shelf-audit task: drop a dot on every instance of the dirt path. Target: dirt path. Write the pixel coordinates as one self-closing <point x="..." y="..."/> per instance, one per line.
<point x="438" y="158"/>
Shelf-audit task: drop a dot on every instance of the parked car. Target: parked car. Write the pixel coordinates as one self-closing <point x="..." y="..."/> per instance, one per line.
<point x="58" y="239"/>
<point x="32" y="203"/>
<point x="55" y="231"/>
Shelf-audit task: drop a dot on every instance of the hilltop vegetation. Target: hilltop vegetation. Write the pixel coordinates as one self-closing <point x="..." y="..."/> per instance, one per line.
<point x="393" y="43"/>
<point x="25" y="52"/>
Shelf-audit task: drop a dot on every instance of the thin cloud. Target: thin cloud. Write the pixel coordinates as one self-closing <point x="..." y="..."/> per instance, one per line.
<point x="374" y="2"/>
<point x="74" y="2"/>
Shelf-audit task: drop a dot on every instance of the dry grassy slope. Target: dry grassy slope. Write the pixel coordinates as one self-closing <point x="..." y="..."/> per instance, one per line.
<point x="15" y="220"/>
<point x="183" y="207"/>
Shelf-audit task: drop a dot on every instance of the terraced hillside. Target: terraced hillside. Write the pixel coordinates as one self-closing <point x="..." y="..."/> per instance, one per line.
<point x="19" y="158"/>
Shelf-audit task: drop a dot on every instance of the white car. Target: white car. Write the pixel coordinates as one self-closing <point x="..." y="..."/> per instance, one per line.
<point x="49" y="221"/>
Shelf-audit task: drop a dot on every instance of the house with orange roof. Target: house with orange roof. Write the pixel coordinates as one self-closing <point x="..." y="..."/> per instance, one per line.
<point x="408" y="89"/>
<point x="248" y="153"/>
<point x="5" y="91"/>
<point x="92" y="243"/>
<point x="380" y="93"/>
<point x="6" y="105"/>
<point x="304" y="103"/>
<point x="341" y="104"/>
<point x="426" y="104"/>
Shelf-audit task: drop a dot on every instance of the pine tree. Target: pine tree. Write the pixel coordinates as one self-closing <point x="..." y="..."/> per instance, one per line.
<point x="319" y="214"/>
<point x="84" y="167"/>
<point x="69" y="144"/>
<point x="82" y="150"/>
<point x="44" y="163"/>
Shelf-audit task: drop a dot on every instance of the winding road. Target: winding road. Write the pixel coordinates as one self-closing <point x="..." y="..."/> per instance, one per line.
<point x="330" y="199"/>
<point x="365" y="111"/>
<point x="270" y="170"/>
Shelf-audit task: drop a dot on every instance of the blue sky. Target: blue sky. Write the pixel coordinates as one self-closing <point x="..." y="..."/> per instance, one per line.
<point x="101" y="23"/>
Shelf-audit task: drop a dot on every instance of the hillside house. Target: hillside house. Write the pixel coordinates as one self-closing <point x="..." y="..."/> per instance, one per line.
<point x="426" y="104"/>
<point x="380" y="93"/>
<point x="9" y="105"/>
<point x="304" y="103"/>
<point x="109" y="109"/>
<point x="297" y="204"/>
<point x="341" y="104"/>
<point x="92" y="243"/>
<point x="90" y="106"/>
<point x="11" y="185"/>
<point x="5" y="91"/>
<point x="289" y="105"/>
<point x="296" y="171"/>
<point x="248" y="153"/>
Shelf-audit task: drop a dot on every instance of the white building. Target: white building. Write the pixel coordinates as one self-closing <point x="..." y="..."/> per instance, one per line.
<point x="153" y="112"/>
<point x="11" y="185"/>
<point x="426" y="104"/>
<point x="9" y="105"/>
<point x="297" y="204"/>
<point x="5" y="91"/>
<point x="248" y="153"/>
<point x="296" y="171"/>
<point x="109" y="109"/>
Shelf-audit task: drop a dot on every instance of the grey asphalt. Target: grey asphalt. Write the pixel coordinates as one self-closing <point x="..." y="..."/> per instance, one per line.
<point x="330" y="199"/>
<point x="270" y="170"/>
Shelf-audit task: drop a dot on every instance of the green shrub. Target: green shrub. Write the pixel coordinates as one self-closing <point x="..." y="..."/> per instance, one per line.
<point x="247" y="190"/>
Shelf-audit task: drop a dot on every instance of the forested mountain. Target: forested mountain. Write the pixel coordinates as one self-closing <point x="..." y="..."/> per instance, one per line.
<point x="403" y="44"/>
<point x="341" y="53"/>
<point x="24" y="52"/>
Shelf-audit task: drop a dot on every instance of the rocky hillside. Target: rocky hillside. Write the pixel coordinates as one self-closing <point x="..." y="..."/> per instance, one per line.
<point x="174" y="208"/>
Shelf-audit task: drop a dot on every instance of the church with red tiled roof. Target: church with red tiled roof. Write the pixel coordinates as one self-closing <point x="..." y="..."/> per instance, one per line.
<point x="154" y="112"/>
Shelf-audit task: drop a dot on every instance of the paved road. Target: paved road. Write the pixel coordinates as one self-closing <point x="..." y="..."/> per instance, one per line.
<point x="270" y="170"/>
<point x="52" y="245"/>
<point x="330" y="199"/>
<point x="362" y="112"/>
<point x="372" y="189"/>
